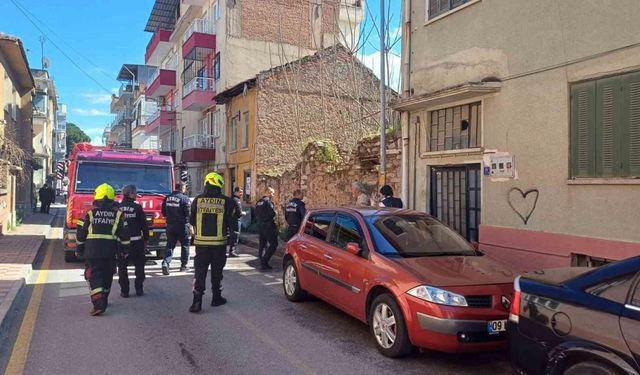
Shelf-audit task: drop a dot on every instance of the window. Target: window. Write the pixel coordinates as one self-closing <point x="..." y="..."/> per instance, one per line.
<point x="605" y="127"/>
<point x="213" y="123"/>
<point x="614" y="290"/>
<point x="454" y="128"/>
<point x="245" y="130"/>
<point x="346" y="230"/>
<point x="233" y="134"/>
<point x="438" y="7"/>
<point x="216" y="67"/>
<point x="318" y="225"/>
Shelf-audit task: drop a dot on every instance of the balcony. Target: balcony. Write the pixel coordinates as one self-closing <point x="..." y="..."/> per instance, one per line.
<point x="198" y="94"/>
<point x="158" y="47"/>
<point x="162" y="82"/>
<point x="198" y="3"/>
<point x="201" y="33"/>
<point x="198" y="148"/>
<point x="164" y="116"/>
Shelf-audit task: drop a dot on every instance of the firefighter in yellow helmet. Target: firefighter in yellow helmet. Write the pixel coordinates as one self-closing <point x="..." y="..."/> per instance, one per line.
<point x="101" y="236"/>
<point x="211" y="221"/>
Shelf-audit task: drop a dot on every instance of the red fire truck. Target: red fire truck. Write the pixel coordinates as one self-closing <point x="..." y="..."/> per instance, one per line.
<point x="90" y="166"/>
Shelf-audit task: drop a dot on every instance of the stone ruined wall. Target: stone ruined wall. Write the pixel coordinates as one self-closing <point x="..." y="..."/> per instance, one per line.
<point x="327" y="182"/>
<point x="328" y="96"/>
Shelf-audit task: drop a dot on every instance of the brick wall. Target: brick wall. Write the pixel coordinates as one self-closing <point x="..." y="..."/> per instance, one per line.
<point x="328" y="182"/>
<point x="327" y="96"/>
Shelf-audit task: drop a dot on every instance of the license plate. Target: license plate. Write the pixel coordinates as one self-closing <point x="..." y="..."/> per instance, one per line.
<point x="496" y="326"/>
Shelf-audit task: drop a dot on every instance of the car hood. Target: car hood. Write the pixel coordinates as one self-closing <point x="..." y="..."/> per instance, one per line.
<point x="458" y="270"/>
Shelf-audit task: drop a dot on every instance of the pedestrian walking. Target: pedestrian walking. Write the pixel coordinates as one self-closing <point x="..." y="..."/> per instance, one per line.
<point x="100" y="237"/>
<point x="294" y="213"/>
<point x="388" y="199"/>
<point x="238" y="213"/>
<point x="211" y="221"/>
<point x="136" y="221"/>
<point x="268" y="229"/>
<point x="175" y="208"/>
<point x="45" y="198"/>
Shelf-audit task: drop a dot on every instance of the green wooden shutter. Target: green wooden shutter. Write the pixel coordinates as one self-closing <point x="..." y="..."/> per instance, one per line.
<point x="607" y="127"/>
<point x="583" y="118"/>
<point x="630" y="137"/>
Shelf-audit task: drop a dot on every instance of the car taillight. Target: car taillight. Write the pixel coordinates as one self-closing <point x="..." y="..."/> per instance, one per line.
<point x="514" y="312"/>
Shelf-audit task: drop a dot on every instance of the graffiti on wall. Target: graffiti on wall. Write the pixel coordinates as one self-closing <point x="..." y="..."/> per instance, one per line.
<point x="523" y="203"/>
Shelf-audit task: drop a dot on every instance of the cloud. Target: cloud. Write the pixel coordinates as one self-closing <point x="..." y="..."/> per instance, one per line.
<point x="93" y="132"/>
<point x="96" y="98"/>
<point x="394" y="64"/>
<point x="89" y="112"/>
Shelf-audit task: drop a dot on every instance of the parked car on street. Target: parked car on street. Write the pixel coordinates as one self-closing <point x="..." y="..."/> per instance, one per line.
<point x="413" y="280"/>
<point x="577" y="321"/>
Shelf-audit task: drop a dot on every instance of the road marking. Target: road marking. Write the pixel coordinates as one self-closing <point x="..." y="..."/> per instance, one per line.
<point x="20" y="351"/>
<point x="273" y="283"/>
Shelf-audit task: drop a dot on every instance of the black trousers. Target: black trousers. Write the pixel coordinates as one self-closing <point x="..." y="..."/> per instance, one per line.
<point x="175" y="235"/>
<point x="268" y="242"/>
<point x="138" y="259"/>
<point x="45" y="207"/>
<point x="99" y="274"/>
<point x="292" y="230"/>
<point x="214" y="256"/>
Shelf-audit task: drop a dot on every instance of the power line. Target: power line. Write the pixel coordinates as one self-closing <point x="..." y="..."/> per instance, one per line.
<point x="64" y="42"/>
<point x="60" y="49"/>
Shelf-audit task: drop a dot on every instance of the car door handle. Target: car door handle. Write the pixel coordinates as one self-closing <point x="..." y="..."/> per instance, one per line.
<point x="327" y="256"/>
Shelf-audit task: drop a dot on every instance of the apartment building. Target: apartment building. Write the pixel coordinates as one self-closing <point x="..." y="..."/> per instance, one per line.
<point x="203" y="47"/>
<point x="45" y="106"/>
<point x="16" y="86"/>
<point x="60" y="138"/>
<point x="524" y="125"/>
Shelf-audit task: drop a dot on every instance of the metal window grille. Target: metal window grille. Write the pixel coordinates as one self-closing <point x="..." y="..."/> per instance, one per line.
<point x="455" y="128"/>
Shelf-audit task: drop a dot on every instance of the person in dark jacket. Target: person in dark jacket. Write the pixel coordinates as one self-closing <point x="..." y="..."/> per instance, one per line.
<point x="294" y="213"/>
<point x="267" y="227"/>
<point x="238" y="213"/>
<point x="136" y="220"/>
<point x="100" y="237"/>
<point x="388" y="199"/>
<point x="45" y="194"/>
<point x="175" y="208"/>
<point x="211" y="221"/>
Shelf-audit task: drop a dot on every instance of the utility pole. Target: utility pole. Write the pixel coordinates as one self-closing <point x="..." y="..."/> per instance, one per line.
<point x="383" y="129"/>
<point x="42" y="40"/>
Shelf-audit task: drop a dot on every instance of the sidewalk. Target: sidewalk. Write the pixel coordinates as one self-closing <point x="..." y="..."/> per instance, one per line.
<point x="252" y="240"/>
<point x="18" y="251"/>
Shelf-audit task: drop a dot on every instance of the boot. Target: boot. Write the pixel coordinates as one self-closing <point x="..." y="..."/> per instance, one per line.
<point x="218" y="300"/>
<point x="165" y="269"/>
<point x="196" y="306"/>
<point x="232" y="252"/>
<point x="139" y="292"/>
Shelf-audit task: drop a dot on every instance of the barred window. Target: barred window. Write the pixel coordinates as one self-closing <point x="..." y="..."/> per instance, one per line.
<point x="454" y="128"/>
<point x="438" y="7"/>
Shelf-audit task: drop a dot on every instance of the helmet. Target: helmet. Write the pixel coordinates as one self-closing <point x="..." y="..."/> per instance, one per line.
<point x="214" y="179"/>
<point x="105" y="191"/>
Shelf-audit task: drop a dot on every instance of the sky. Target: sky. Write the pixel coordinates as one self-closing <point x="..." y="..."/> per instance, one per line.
<point x="100" y="35"/>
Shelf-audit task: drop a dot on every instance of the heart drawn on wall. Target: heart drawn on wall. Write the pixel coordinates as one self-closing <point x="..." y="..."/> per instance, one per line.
<point x="523" y="203"/>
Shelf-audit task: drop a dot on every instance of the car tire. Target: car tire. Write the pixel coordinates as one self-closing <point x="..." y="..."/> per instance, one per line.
<point x="70" y="257"/>
<point x="391" y="339"/>
<point x="590" y="368"/>
<point x="291" y="282"/>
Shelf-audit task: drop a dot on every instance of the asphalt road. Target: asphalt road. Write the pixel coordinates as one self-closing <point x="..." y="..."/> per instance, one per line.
<point x="257" y="332"/>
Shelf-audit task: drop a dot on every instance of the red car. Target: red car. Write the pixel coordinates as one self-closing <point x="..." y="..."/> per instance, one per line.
<point x="413" y="280"/>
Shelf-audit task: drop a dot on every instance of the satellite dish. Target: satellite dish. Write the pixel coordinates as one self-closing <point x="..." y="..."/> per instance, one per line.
<point x="45" y="63"/>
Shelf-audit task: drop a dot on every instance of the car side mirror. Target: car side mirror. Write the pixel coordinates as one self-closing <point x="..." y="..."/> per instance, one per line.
<point x="353" y="248"/>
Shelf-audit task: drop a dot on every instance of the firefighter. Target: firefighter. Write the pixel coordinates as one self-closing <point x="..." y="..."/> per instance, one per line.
<point x="211" y="222"/>
<point x="101" y="236"/>
<point x="294" y="213"/>
<point x="136" y="220"/>
<point x="175" y="208"/>
<point x="266" y="215"/>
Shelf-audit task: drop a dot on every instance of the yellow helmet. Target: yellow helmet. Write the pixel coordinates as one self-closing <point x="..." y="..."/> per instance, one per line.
<point x="105" y="191"/>
<point x="214" y="179"/>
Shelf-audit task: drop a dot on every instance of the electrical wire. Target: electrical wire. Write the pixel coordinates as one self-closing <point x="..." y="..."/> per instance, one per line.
<point x="60" y="49"/>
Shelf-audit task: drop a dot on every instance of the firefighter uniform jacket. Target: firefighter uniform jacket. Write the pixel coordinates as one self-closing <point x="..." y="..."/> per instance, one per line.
<point x="103" y="233"/>
<point x="294" y="212"/>
<point x="175" y="208"/>
<point x="266" y="213"/>
<point x="212" y="218"/>
<point x="136" y="220"/>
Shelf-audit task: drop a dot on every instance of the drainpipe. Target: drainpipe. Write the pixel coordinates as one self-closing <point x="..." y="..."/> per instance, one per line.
<point x="406" y="92"/>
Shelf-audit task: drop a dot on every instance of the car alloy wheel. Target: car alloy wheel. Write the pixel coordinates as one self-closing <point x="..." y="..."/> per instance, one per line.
<point x="290" y="279"/>
<point x="384" y="325"/>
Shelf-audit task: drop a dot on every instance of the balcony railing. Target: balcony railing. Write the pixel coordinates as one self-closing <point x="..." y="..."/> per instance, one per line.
<point x="156" y="114"/>
<point x="200" y="25"/>
<point x="199" y="84"/>
<point x="205" y="141"/>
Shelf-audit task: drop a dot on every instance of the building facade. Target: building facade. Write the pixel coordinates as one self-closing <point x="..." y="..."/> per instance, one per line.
<point x="45" y="107"/>
<point x="16" y="87"/>
<point x="524" y="126"/>
<point x="203" y="47"/>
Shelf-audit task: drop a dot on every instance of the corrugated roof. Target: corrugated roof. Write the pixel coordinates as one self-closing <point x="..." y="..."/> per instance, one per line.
<point x="163" y="15"/>
<point x="11" y="47"/>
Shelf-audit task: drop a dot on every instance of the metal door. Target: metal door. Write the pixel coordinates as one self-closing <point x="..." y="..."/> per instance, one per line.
<point x="455" y="198"/>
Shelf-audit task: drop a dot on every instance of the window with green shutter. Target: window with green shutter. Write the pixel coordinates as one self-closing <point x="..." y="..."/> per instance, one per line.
<point x="605" y="127"/>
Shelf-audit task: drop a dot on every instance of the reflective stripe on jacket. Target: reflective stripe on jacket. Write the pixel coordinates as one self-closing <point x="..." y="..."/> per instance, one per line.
<point x="212" y="218"/>
<point x="103" y="233"/>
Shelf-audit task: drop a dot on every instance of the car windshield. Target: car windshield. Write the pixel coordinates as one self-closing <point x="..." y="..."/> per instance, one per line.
<point x="409" y="236"/>
<point x="149" y="179"/>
